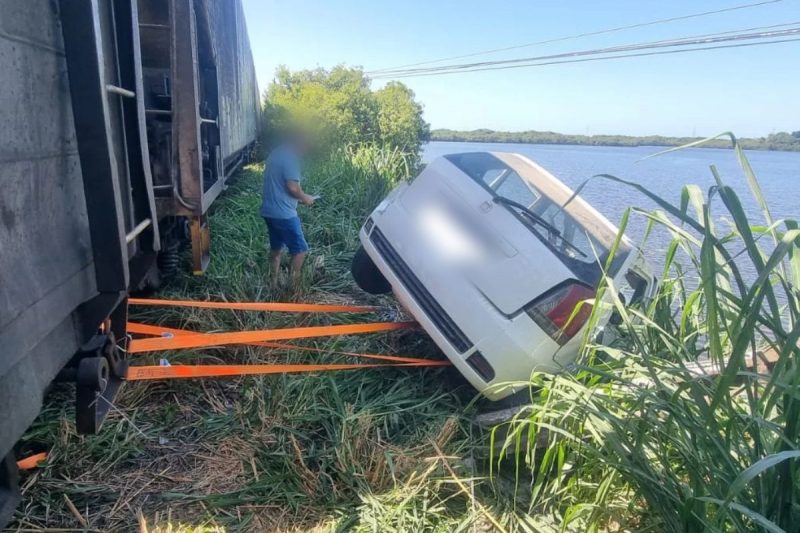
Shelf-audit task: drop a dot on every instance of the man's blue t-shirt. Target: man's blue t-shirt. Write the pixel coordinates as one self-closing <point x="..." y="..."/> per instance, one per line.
<point x="282" y="166"/>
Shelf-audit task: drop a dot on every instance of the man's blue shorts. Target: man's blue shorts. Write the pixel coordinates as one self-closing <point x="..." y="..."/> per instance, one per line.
<point x="286" y="232"/>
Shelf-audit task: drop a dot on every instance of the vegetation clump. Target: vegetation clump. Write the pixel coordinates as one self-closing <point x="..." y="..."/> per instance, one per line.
<point x="688" y="420"/>
<point x="341" y="109"/>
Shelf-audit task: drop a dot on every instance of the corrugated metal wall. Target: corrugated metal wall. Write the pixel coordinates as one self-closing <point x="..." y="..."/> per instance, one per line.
<point x="238" y="89"/>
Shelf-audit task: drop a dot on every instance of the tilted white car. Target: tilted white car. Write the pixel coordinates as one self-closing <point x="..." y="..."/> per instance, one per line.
<point x="488" y="255"/>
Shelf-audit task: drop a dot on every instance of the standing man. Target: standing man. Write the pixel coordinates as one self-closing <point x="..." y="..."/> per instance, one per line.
<point x="282" y="192"/>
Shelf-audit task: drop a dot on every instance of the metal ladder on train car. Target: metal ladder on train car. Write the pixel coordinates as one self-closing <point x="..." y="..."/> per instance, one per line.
<point x="101" y="41"/>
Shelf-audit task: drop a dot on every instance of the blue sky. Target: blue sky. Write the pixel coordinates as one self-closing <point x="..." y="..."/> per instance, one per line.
<point x="751" y="91"/>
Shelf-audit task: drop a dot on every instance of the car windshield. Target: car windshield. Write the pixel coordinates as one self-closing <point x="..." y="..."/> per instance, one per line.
<point x="579" y="245"/>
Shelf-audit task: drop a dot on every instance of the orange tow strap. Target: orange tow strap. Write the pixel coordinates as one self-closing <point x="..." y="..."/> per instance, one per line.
<point x="137" y="373"/>
<point x="173" y="338"/>
<point x="163" y="331"/>
<point x="202" y="340"/>
<point x="31" y="462"/>
<point x="258" y="306"/>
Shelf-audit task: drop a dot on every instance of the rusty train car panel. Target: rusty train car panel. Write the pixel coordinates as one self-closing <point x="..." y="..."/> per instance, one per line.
<point x="202" y="105"/>
<point x="238" y="87"/>
<point x="122" y="122"/>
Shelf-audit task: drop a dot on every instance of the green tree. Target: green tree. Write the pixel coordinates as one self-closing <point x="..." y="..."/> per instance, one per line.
<point x="339" y="106"/>
<point x="400" y="120"/>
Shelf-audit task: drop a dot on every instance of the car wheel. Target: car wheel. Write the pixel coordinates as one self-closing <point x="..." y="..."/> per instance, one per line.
<point x="366" y="274"/>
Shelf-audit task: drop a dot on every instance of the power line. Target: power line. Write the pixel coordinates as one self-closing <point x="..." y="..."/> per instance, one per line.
<point x="662" y="43"/>
<point x="680" y="42"/>
<point x="690" y="39"/>
<point x="605" y="58"/>
<point x="580" y="35"/>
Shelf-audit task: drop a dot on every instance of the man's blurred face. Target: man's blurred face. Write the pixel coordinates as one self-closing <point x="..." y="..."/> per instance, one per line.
<point x="300" y="142"/>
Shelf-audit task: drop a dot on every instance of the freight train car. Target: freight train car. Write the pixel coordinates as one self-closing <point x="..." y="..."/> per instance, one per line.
<point x="120" y="122"/>
<point x="201" y="107"/>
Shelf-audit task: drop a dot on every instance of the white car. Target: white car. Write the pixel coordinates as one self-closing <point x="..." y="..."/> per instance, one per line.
<point x="488" y="255"/>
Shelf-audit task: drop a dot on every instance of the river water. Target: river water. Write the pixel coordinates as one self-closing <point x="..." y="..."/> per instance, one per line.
<point x="665" y="175"/>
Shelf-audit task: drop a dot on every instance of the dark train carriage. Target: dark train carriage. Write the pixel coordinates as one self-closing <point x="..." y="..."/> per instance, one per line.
<point x="120" y="119"/>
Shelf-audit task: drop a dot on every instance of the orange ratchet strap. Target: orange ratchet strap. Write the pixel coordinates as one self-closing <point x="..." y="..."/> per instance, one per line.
<point x="163" y="331"/>
<point x="138" y="373"/>
<point x="204" y="340"/>
<point x="31" y="462"/>
<point x="258" y="306"/>
<point x="164" y="338"/>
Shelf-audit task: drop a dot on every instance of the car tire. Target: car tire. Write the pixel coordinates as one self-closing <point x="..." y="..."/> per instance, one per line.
<point x="366" y="274"/>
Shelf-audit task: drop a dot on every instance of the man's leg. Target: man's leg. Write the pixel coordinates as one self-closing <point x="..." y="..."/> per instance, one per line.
<point x="298" y="247"/>
<point x="275" y="250"/>
<point x="296" y="266"/>
<point x="275" y="266"/>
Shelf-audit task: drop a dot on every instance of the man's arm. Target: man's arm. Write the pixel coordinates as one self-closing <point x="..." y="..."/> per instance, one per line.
<point x="297" y="191"/>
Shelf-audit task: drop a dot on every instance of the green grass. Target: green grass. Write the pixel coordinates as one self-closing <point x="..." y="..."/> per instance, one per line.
<point x="636" y="441"/>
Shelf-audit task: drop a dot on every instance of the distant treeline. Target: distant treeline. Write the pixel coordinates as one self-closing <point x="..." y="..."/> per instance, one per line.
<point x="784" y="141"/>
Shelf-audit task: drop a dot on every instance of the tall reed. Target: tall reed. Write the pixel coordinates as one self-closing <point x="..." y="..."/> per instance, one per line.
<point x="640" y="436"/>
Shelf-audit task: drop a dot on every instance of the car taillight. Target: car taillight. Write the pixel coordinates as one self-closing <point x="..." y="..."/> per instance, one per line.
<point x="553" y="311"/>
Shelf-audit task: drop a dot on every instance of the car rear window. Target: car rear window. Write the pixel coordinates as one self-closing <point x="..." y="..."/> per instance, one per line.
<point x="496" y="176"/>
<point x="500" y="179"/>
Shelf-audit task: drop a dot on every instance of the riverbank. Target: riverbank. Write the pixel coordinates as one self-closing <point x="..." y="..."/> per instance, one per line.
<point x="782" y="141"/>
